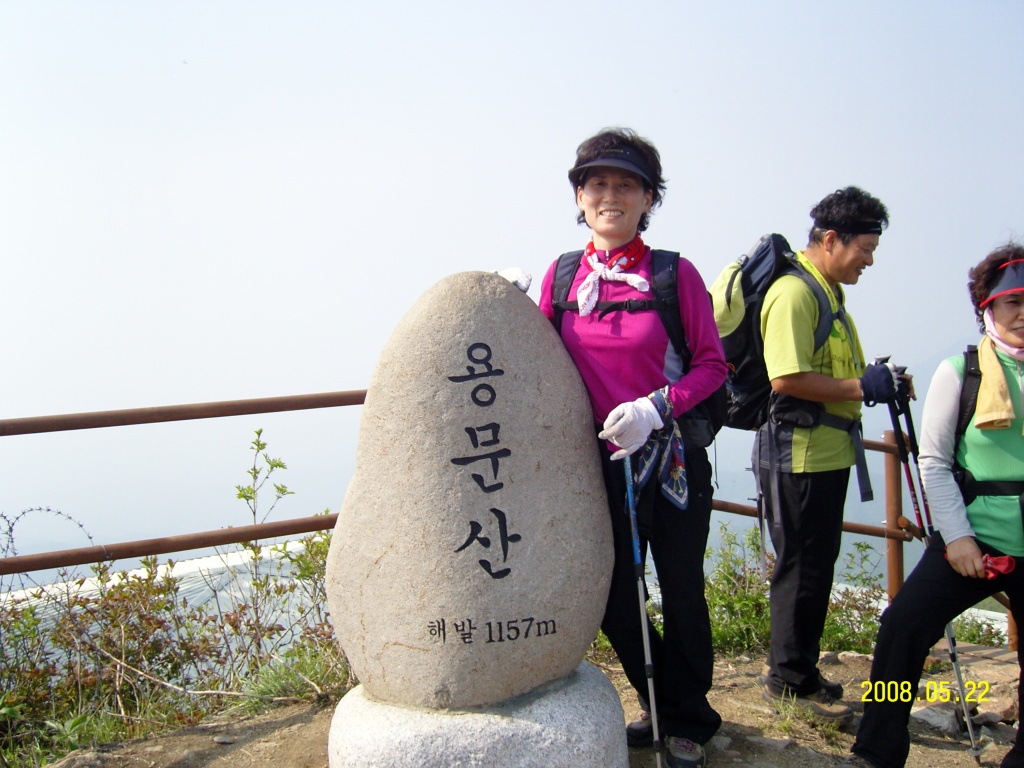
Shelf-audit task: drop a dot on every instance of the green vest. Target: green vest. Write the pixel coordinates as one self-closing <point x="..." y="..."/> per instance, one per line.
<point x="996" y="454"/>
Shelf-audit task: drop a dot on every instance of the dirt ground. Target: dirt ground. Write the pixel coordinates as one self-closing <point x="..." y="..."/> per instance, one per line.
<point x="752" y="734"/>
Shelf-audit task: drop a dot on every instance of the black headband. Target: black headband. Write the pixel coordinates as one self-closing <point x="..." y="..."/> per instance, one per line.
<point x="853" y="228"/>
<point x="1011" y="280"/>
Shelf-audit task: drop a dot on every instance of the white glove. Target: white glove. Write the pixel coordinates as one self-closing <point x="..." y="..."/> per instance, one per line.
<point x="517" y="277"/>
<point x="630" y="424"/>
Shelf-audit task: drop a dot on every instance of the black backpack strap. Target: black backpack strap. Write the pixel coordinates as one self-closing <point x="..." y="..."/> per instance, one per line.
<point x="664" y="274"/>
<point x="969" y="389"/>
<point x="565" y="271"/>
<point x="629" y="305"/>
<point x="968" y="394"/>
<point x="855" y="430"/>
<point x="997" y="487"/>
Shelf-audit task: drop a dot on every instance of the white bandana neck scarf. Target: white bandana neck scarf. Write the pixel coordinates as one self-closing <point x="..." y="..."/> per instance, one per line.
<point x="587" y="293"/>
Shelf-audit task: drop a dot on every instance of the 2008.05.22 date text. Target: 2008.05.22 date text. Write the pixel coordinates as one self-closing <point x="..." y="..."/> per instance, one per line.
<point x="934" y="690"/>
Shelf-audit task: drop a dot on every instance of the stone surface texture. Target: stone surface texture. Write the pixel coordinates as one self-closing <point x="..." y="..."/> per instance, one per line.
<point x="576" y="722"/>
<point x="471" y="558"/>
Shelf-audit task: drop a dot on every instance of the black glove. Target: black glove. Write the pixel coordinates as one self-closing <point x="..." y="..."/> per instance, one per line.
<point x="902" y="387"/>
<point x="880" y="383"/>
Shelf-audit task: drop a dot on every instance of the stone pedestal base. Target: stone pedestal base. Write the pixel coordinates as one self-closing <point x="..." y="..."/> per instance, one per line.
<point x="575" y="722"/>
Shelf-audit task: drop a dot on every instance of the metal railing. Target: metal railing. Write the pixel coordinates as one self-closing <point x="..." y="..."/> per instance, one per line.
<point x="96" y="419"/>
<point x="897" y="530"/>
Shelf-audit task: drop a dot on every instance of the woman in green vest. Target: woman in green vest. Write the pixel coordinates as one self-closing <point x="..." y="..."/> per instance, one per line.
<point x="957" y="569"/>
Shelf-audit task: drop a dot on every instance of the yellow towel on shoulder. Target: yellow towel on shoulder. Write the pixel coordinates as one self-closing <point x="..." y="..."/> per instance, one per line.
<point x="994" y="409"/>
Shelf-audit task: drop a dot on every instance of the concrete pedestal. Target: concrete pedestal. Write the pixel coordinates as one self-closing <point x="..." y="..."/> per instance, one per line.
<point x="575" y="722"/>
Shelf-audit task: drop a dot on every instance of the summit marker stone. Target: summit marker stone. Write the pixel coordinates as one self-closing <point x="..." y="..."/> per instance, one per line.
<point x="472" y="555"/>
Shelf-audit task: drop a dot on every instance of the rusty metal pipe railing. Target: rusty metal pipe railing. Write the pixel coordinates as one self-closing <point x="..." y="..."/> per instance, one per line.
<point x="858" y="528"/>
<point x="170" y="544"/>
<point x="897" y="529"/>
<point x="166" y="545"/>
<point x="97" y="419"/>
<point x="183" y="543"/>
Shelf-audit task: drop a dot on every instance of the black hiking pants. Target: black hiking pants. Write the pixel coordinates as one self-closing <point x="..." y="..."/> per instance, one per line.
<point x="682" y="656"/>
<point x="806" y="532"/>
<point x="933" y="595"/>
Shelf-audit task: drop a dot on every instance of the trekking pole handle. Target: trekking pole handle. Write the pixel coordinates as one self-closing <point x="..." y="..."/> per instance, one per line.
<point x="911" y="434"/>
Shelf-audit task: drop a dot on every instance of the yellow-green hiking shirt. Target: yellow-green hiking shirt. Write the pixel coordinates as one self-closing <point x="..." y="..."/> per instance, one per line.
<point x="788" y="319"/>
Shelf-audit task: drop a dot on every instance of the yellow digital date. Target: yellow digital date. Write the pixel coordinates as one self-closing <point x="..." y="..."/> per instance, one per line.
<point x="934" y="690"/>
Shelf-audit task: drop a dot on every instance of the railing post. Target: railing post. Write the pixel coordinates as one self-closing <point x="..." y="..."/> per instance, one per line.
<point x="893" y="513"/>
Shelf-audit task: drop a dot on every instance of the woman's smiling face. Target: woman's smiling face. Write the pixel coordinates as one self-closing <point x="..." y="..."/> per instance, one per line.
<point x="612" y="201"/>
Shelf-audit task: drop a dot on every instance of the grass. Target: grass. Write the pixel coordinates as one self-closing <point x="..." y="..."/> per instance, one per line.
<point x="791" y="720"/>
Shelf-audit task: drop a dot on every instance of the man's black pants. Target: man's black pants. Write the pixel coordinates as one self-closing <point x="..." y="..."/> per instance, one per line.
<point x="806" y="532"/>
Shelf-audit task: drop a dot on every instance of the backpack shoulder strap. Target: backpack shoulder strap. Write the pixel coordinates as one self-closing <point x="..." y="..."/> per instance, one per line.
<point x="664" y="276"/>
<point x="565" y="271"/>
<point x="968" y="394"/>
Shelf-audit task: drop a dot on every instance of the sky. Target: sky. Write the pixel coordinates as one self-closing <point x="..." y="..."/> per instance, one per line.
<point x="205" y="201"/>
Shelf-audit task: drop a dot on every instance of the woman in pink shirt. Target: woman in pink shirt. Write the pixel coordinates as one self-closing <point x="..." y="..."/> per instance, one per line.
<point x="641" y="388"/>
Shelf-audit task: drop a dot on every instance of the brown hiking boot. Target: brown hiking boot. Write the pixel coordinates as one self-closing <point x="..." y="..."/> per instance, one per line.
<point x="835" y="690"/>
<point x="818" y="705"/>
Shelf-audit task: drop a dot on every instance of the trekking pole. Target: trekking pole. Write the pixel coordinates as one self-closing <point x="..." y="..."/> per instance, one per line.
<point x="759" y="503"/>
<point x="764" y="547"/>
<point x="901" y="406"/>
<point x="901" y="451"/>
<point x="975" y="750"/>
<point x="638" y="566"/>
<point x="913" y="450"/>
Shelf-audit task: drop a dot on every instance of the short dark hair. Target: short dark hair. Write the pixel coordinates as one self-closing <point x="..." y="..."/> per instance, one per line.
<point x="613" y="138"/>
<point x="846" y="212"/>
<point x="983" y="276"/>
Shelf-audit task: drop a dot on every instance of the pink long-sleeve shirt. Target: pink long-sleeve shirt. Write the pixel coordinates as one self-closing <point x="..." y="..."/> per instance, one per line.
<point x="625" y="355"/>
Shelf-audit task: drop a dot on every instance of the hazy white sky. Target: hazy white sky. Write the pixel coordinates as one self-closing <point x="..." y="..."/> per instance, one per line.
<point x="206" y="201"/>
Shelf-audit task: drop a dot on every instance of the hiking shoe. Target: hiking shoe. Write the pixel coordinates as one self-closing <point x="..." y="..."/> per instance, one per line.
<point x="640" y="733"/>
<point x="683" y="753"/>
<point x="818" y="705"/>
<point x="856" y="761"/>
<point x="835" y="690"/>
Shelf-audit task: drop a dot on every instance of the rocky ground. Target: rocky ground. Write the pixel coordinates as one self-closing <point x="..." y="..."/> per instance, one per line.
<point x="752" y="734"/>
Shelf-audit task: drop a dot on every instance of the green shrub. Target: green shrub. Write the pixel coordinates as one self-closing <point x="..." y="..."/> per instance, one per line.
<point x="737" y="594"/>
<point x="977" y="631"/>
<point x="737" y="589"/>
<point x="851" y="623"/>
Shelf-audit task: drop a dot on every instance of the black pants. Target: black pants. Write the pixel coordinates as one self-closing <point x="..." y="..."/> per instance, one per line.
<point x="806" y="532"/>
<point x="932" y="596"/>
<point x="682" y="656"/>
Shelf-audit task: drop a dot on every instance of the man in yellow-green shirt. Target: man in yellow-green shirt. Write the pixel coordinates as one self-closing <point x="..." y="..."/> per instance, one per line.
<point x="804" y="462"/>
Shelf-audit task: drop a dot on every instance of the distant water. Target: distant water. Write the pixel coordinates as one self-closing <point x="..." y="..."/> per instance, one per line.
<point x="225" y="577"/>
